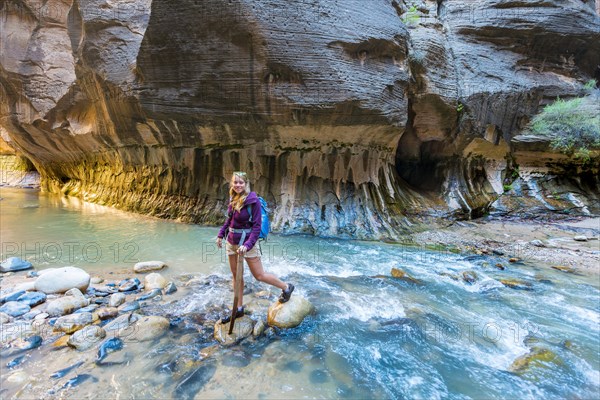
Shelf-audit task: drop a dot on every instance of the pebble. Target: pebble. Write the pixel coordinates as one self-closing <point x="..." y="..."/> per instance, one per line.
<point x="170" y="288"/>
<point x="116" y="299"/>
<point x="96" y="280"/>
<point x="580" y="238"/>
<point x="154" y="281"/>
<point x="537" y="243"/>
<point x="107" y="312"/>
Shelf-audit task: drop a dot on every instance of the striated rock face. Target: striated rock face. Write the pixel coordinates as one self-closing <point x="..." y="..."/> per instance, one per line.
<point x="353" y="118"/>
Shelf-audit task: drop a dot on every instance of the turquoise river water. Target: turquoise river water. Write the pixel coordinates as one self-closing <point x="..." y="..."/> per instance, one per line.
<point x="372" y="336"/>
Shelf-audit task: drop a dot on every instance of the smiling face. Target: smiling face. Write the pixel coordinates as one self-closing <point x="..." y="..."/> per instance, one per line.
<point x="238" y="183"/>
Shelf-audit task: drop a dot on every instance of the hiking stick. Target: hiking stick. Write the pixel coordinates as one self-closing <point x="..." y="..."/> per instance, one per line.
<point x="236" y="287"/>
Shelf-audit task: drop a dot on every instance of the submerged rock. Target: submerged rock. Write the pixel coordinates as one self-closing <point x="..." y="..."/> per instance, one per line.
<point x="564" y="268"/>
<point x="469" y="276"/>
<point x="65" y="371"/>
<point x="146" y="328"/>
<point x="20" y="345"/>
<point x="108" y="346"/>
<point x="12" y="264"/>
<point x="537" y="356"/>
<point x="87" y="337"/>
<point x="242" y="329"/>
<point x="290" y="314"/>
<point x="404" y="276"/>
<point x="194" y="381"/>
<point x="61" y="280"/>
<point x="147" y="266"/>
<point x="516" y="284"/>
<point x="170" y="288"/>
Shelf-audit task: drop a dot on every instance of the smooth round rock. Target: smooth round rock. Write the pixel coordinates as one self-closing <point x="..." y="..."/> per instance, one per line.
<point x="65" y="305"/>
<point x="147" y="266"/>
<point x="86" y="338"/>
<point x="14" y="308"/>
<point x="116" y="299"/>
<point x="73" y="323"/>
<point x="96" y="280"/>
<point x="61" y="280"/>
<point x="580" y="238"/>
<point x="154" y="281"/>
<point x="12" y="264"/>
<point x="290" y="314"/>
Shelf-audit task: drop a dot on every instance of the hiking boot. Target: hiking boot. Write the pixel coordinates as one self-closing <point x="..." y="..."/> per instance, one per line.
<point x="286" y="293"/>
<point x="239" y="313"/>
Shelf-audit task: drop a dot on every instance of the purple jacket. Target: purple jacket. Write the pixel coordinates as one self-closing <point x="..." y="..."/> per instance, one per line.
<point x="241" y="220"/>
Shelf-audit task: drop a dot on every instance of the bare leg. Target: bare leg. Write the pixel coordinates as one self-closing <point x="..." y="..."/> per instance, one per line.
<point x="233" y="266"/>
<point x="259" y="273"/>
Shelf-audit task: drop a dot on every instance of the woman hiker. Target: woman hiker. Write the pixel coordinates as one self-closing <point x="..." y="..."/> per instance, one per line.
<point x="241" y="234"/>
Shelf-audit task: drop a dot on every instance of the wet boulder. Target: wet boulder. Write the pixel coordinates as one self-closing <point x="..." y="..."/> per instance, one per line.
<point x="242" y="328"/>
<point x="564" y="268"/>
<point x="290" y="314"/>
<point x="13" y="296"/>
<point x="12" y="264"/>
<point x="147" y="266"/>
<point x="61" y="280"/>
<point x="85" y="338"/>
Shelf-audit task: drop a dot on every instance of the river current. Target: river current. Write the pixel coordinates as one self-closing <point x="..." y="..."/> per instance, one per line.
<point x="372" y="336"/>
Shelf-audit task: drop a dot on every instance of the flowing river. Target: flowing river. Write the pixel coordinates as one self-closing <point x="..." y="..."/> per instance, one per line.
<point x="372" y="336"/>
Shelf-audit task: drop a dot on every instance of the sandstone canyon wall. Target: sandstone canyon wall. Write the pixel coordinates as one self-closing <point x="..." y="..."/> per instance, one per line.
<point x="355" y="118"/>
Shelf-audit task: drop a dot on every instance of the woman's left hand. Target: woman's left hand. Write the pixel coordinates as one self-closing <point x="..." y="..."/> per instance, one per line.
<point x="242" y="249"/>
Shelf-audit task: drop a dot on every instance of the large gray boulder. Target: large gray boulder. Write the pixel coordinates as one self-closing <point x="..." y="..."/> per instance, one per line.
<point x="61" y="280"/>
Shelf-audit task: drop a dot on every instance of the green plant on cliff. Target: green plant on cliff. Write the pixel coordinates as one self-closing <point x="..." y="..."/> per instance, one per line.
<point x="412" y="16"/>
<point x="573" y="125"/>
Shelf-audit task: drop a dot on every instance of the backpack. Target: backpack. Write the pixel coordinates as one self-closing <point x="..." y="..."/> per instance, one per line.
<point x="265" y="225"/>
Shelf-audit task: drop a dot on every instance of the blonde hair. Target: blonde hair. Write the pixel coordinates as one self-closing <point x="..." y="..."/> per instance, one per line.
<point x="237" y="200"/>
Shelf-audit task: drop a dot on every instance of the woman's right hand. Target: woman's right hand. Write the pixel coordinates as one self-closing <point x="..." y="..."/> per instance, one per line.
<point x="219" y="242"/>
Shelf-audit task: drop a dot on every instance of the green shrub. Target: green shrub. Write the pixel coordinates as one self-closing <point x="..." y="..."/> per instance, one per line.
<point x="573" y="125"/>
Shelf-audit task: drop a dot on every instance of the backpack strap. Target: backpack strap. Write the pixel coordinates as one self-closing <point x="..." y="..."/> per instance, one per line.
<point x="249" y="208"/>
